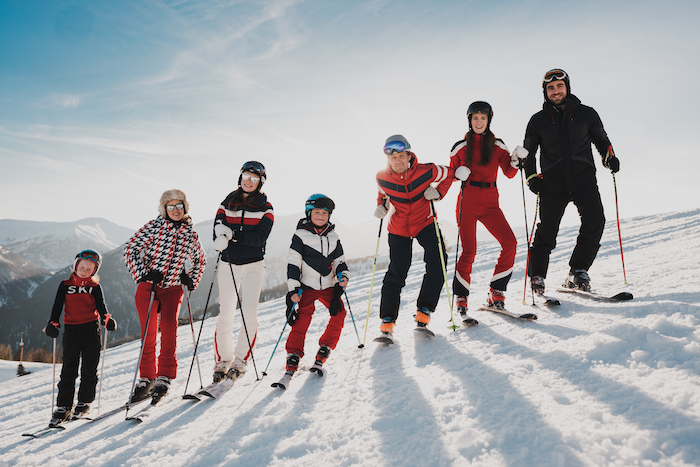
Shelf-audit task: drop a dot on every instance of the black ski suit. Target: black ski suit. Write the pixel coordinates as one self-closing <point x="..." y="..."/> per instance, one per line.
<point x="564" y="137"/>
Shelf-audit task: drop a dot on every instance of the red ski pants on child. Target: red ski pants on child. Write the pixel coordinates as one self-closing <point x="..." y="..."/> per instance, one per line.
<point x="307" y="306"/>
<point x="481" y="204"/>
<point x="166" y="304"/>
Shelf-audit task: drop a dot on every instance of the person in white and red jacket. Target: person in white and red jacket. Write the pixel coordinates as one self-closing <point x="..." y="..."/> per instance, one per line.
<point x="156" y="255"/>
<point x="406" y="185"/>
<point x="81" y="301"/>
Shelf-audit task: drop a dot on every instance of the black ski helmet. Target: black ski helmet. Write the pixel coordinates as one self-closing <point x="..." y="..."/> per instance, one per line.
<point x="555" y="74"/>
<point x="256" y="168"/>
<point x="480" y="107"/>
<point x="319" y="201"/>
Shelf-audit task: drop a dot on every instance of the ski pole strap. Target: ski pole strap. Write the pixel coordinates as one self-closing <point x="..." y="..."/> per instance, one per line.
<point x="531" y="177"/>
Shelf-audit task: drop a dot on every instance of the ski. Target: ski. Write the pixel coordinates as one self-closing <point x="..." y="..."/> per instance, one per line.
<point x="468" y="321"/>
<point x="503" y="311"/>
<point x="215" y="390"/>
<point x="620" y="297"/>
<point x="385" y="339"/>
<point x="284" y="381"/>
<point x="146" y="411"/>
<point x="45" y="431"/>
<point x="424" y="331"/>
<point x="546" y="300"/>
<point x="115" y="411"/>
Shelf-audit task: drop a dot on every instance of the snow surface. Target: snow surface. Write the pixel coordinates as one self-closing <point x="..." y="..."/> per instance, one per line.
<point x="588" y="384"/>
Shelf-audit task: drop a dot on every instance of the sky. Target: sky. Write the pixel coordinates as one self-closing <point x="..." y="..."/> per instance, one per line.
<point x="103" y="105"/>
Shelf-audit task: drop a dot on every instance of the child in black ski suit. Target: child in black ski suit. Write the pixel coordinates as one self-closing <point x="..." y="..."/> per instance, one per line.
<point x="80" y="296"/>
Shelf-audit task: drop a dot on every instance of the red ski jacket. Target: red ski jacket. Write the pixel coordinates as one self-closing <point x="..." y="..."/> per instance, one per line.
<point x="83" y="301"/>
<point x="405" y="191"/>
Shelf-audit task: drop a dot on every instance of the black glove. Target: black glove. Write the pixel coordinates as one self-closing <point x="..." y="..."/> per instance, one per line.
<point x="153" y="275"/>
<point x="613" y="163"/>
<point x="51" y="329"/>
<point x="187" y="281"/>
<point x="336" y="302"/>
<point x="292" y="310"/>
<point x="108" y="322"/>
<point x="536" y="185"/>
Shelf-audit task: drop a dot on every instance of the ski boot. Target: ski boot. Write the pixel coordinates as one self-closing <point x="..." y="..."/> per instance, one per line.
<point x="321" y="357"/>
<point x="291" y="367"/>
<point x="81" y="410"/>
<point x="220" y="370"/>
<point x="462" y="309"/>
<point x="60" y="415"/>
<point x="160" y="389"/>
<point x="578" y="279"/>
<point x="537" y="284"/>
<point x="497" y="299"/>
<point x="423" y="317"/>
<point x="143" y="389"/>
<point x="237" y="369"/>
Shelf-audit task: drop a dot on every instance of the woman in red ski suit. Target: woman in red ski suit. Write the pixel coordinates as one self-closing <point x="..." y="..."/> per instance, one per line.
<point x="482" y="154"/>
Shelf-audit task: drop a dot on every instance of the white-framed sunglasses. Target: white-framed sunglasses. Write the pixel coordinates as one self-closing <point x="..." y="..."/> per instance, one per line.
<point x="252" y="178"/>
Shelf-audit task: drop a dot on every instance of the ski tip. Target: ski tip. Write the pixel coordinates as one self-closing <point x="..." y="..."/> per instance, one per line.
<point x="278" y="385"/>
<point x="529" y="316"/>
<point x="469" y="323"/>
<point x="622" y="296"/>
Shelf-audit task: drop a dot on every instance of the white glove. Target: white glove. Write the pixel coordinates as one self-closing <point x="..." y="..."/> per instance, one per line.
<point x="463" y="172"/>
<point x="380" y="212"/>
<point x="221" y="243"/>
<point x="223" y="230"/>
<point x="431" y="193"/>
<point x="519" y="154"/>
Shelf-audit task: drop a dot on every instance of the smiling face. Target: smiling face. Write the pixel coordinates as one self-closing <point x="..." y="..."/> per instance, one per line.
<point x="556" y="92"/>
<point x="85" y="268"/>
<point x="249" y="182"/>
<point x="399" y="161"/>
<point x="319" y="217"/>
<point x="479" y="123"/>
<point x="176" y="214"/>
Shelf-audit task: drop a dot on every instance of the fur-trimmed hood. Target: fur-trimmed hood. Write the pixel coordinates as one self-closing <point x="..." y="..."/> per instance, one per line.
<point x="170" y="195"/>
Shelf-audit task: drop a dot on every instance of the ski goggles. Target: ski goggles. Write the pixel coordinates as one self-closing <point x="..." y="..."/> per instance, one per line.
<point x="394" y="146"/>
<point x="92" y="255"/>
<point x="172" y="207"/>
<point x="554" y="75"/>
<point x="252" y="178"/>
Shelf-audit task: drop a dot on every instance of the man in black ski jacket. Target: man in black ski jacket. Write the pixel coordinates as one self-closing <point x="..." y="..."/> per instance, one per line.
<point x="564" y="130"/>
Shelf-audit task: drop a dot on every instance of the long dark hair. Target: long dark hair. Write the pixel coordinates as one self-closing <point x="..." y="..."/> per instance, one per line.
<point x="488" y="142"/>
<point x="238" y="198"/>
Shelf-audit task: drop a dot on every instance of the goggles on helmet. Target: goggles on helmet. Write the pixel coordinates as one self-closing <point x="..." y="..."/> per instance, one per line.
<point x="395" y="146"/>
<point x="554" y="75"/>
<point x="92" y="255"/>
<point x="254" y="167"/>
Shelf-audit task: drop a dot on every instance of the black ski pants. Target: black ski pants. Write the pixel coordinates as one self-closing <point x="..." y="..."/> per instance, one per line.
<point x="79" y="340"/>
<point x="552" y="207"/>
<point x="400" y="254"/>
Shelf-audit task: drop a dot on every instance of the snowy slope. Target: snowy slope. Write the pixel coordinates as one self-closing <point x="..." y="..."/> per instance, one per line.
<point x="587" y="384"/>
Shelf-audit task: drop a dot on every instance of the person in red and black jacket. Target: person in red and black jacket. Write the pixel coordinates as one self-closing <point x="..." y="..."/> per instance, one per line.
<point x="406" y="185"/>
<point x="563" y="131"/>
<point x="476" y="160"/>
<point x="241" y="227"/>
<point x="80" y="298"/>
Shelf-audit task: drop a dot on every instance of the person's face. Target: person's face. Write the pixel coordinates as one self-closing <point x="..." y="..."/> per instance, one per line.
<point x="556" y="92"/>
<point x="85" y="268"/>
<point x="319" y="217"/>
<point x="479" y="123"/>
<point x="177" y="213"/>
<point x="249" y="182"/>
<point x="398" y="161"/>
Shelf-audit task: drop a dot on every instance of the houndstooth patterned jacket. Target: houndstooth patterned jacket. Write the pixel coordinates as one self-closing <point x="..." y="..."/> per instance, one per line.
<point x="161" y="245"/>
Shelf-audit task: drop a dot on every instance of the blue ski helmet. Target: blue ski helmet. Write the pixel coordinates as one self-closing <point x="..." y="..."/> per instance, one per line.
<point x="319" y="201"/>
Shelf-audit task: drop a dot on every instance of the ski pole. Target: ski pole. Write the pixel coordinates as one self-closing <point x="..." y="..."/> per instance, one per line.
<point x="454" y="327"/>
<point x="143" y="342"/>
<point x="194" y="342"/>
<point x="527" y="234"/>
<point x="459" y="228"/>
<point x="286" y="321"/>
<point x="245" y="328"/>
<point x="360" y="344"/>
<point x="527" y="257"/>
<point x="619" y="232"/>
<point x="371" y="285"/>
<point x="53" y="382"/>
<point x="204" y="314"/>
<point x="102" y="369"/>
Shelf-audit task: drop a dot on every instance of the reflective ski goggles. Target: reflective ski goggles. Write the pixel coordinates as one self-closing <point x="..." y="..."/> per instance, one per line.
<point x="394" y="146"/>
<point x="252" y="178"/>
<point x="172" y="207"/>
<point x="554" y="75"/>
<point x="92" y="255"/>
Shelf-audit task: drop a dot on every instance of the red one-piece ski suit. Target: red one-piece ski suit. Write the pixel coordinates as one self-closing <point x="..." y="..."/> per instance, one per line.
<point x="479" y="202"/>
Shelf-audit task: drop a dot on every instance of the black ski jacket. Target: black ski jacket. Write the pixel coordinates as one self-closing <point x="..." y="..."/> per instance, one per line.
<point x="564" y="138"/>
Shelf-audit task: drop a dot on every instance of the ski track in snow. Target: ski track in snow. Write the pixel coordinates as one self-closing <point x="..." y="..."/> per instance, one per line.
<point x="587" y="384"/>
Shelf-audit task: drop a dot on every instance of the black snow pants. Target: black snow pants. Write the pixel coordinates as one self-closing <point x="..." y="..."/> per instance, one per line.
<point x="79" y="340"/>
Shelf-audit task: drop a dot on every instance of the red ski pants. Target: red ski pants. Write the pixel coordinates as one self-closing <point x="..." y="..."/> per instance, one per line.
<point x="166" y="305"/>
<point x="481" y="204"/>
<point x="307" y="306"/>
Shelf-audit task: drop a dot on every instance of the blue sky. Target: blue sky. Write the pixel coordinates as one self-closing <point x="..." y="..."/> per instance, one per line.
<point x="104" y="105"/>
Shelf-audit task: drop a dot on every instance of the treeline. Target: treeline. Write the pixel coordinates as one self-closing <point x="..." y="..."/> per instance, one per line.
<point x="30" y="355"/>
